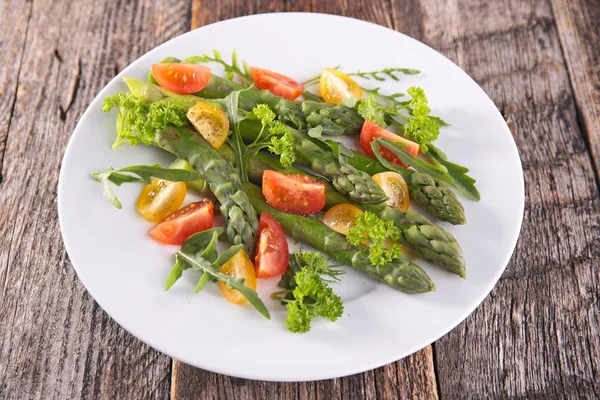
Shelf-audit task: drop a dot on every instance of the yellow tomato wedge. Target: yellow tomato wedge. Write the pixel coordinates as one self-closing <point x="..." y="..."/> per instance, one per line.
<point x="395" y="188"/>
<point x="239" y="266"/>
<point x="340" y="218"/>
<point x="160" y="198"/>
<point x="211" y="122"/>
<point x="336" y="86"/>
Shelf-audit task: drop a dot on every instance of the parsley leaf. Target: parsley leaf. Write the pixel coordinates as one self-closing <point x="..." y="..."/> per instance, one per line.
<point x="369" y="228"/>
<point x="308" y="293"/>
<point x="283" y="146"/>
<point x="420" y="128"/>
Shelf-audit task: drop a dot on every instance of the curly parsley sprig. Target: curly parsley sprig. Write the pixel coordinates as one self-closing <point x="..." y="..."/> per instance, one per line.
<point x="307" y="293"/>
<point x="371" y="230"/>
<point x="279" y="140"/>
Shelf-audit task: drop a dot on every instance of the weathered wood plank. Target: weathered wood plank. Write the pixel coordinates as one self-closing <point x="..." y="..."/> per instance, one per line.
<point x="13" y="43"/>
<point x="412" y="377"/>
<point x="55" y="341"/>
<point x="536" y="335"/>
<point x="577" y="24"/>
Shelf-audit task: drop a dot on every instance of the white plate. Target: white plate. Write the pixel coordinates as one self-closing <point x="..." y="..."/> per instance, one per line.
<point x="125" y="271"/>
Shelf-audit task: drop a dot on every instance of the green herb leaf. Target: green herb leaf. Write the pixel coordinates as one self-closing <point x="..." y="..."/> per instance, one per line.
<point x="397" y="148"/>
<point x="107" y="192"/>
<point x="340" y="150"/>
<point x="283" y="146"/>
<point x="369" y="227"/>
<point x="463" y="182"/>
<point x="230" y="69"/>
<point x="202" y="242"/>
<point x="231" y="282"/>
<point x="307" y="293"/>
<point x="145" y="173"/>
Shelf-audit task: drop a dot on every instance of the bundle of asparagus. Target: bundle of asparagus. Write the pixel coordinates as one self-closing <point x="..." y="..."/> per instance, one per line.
<point x="155" y="116"/>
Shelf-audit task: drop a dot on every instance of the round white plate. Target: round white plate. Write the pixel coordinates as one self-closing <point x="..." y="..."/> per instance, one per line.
<point x="125" y="271"/>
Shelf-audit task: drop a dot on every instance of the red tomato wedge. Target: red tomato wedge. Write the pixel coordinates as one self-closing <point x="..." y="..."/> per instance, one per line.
<point x="272" y="255"/>
<point x="371" y="131"/>
<point x="181" y="78"/>
<point x="278" y="84"/>
<point x="193" y="218"/>
<point x="297" y="194"/>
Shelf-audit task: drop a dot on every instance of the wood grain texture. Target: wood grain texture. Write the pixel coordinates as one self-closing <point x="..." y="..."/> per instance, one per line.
<point x="536" y="335"/>
<point x="412" y="377"/>
<point x="577" y="24"/>
<point x="55" y="342"/>
<point x="13" y="43"/>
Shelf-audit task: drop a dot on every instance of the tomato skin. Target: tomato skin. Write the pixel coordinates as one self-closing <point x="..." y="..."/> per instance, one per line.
<point x="295" y="193"/>
<point x="371" y="131"/>
<point x="239" y="266"/>
<point x="278" y="84"/>
<point x="193" y="218"/>
<point x="160" y="198"/>
<point x="396" y="189"/>
<point x="341" y="217"/>
<point x="181" y="78"/>
<point x="272" y="255"/>
<point x="336" y="86"/>
<point x="211" y="122"/>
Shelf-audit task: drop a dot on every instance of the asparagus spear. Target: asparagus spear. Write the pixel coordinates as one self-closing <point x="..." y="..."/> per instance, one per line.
<point x="402" y="274"/>
<point x="334" y="119"/>
<point x="224" y="182"/>
<point x="356" y="184"/>
<point x="433" y="194"/>
<point x="418" y="233"/>
<point x="351" y="179"/>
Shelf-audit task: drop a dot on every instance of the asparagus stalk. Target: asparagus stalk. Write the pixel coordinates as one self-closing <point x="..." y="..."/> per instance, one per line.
<point x="418" y="233"/>
<point x="402" y="274"/>
<point x="238" y="214"/>
<point x="433" y="194"/>
<point x="357" y="185"/>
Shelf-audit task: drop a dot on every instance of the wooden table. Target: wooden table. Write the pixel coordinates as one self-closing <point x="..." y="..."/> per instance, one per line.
<point x="536" y="336"/>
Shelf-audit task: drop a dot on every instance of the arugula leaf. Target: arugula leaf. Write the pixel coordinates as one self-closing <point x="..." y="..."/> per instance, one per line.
<point x="232" y="282"/>
<point x="463" y="182"/>
<point x="107" y="192"/>
<point x="452" y="173"/>
<point x="340" y="150"/>
<point x="145" y="173"/>
<point x="372" y="229"/>
<point x="397" y="148"/>
<point x="204" y="242"/>
<point x="236" y="115"/>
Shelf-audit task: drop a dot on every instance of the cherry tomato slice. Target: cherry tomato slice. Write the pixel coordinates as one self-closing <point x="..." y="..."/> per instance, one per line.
<point x="181" y="78"/>
<point x="297" y="194"/>
<point x="371" y="131"/>
<point x="394" y="186"/>
<point x="211" y="122"/>
<point x="272" y="255"/>
<point x="160" y="198"/>
<point x="335" y="86"/>
<point x="341" y="218"/>
<point x="239" y="266"/>
<point x="193" y="218"/>
<point x="278" y="84"/>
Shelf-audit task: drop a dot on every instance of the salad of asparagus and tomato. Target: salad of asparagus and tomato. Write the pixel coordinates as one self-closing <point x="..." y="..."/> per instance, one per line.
<point x="239" y="140"/>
